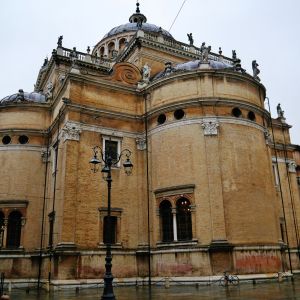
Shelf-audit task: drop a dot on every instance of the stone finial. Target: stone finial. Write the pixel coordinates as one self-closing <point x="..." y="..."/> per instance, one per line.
<point x="190" y="38"/>
<point x="255" y="69"/>
<point x="220" y="51"/>
<point x="88" y="50"/>
<point x="137" y="7"/>
<point x="59" y="41"/>
<point x="210" y="127"/>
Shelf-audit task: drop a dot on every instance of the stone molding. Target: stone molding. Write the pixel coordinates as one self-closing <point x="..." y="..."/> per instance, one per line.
<point x="224" y="120"/>
<point x="174" y="190"/>
<point x="210" y="127"/>
<point x="14" y="203"/>
<point x="21" y="148"/>
<point x="71" y="132"/>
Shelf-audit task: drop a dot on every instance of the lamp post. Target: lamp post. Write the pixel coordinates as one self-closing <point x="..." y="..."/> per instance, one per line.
<point x="98" y="157"/>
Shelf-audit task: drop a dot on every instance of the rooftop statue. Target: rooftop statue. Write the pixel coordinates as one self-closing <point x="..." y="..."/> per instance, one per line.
<point x="191" y="40"/>
<point x="205" y="53"/>
<point x="280" y="112"/>
<point x="255" y="69"/>
<point x="146" y="72"/>
<point x="59" y="41"/>
<point x="202" y="48"/>
<point x="233" y="54"/>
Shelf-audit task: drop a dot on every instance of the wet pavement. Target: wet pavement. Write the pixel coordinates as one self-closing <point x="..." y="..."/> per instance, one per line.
<point x="246" y="291"/>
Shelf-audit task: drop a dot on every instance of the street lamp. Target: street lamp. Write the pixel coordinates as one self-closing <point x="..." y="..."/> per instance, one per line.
<point x="106" y="157"/>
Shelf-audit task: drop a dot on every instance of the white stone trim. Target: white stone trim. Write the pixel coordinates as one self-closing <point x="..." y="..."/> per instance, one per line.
<point x="282" y="160"/>
<point x="36" y="148"/>
<point x="200" y="121"/>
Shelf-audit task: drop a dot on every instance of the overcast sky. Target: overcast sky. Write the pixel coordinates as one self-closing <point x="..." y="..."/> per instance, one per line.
<point x="265" y="30"/>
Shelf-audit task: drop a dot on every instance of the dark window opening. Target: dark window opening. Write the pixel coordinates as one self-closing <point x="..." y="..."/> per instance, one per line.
<point x="110" y="230"/>
<point x="236" y="112"/>
<point x="161" y="119"/>
<point x="14" y="226"/>
<point x="111" y="150"/>
<point x="184" y="221"/>
<point x="282" y="232"/>
<point x="51" y="228"/>
<point x="23" y="139"/>
<point x="6" y="139"/>
<point x="251" y="115"/>
<point x="178" y="114"/>
<point x="165" y="212"/>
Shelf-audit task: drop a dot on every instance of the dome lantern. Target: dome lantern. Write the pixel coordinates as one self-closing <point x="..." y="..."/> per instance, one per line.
<point x="137" y="17"/>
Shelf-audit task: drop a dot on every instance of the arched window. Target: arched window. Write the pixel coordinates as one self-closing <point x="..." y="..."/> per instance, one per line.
<point x="1" y="228"/>
<point x="122" y="43"/>
<point x="101" y="51"/>
<point x="183" y="219"/>
<point x="165" y="212"/>
<point x="14" y="229"/>
<point x="111" y="49"/>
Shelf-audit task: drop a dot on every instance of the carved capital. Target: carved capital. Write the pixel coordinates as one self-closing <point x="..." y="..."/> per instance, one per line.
<point x="268" y="137"/>
<point x="45" y="155"/>
<point x="210" y="127"/>
<point x="141" y="143"/>
<point x="292" y="167"/>
<point x="71" y="132"/>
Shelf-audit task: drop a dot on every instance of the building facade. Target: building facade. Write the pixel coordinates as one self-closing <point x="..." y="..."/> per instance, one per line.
<point x="215" y="183"/>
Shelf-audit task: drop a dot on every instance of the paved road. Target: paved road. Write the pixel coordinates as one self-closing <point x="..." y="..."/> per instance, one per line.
<point x="246" y="291"/>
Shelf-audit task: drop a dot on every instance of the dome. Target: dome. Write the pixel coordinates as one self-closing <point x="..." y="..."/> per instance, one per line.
<point x="23" y="97"/>
<point x="133" y="27"/>
<point x="137" y="21"/>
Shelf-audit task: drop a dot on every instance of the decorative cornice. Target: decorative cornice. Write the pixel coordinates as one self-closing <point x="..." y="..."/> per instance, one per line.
<point x="174" y="190"/>
<point x="13" y="203"/>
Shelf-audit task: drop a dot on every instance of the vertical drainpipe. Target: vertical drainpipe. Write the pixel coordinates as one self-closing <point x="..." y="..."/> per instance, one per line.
<point x="148" y="190"/>
<point x="280" y="188"/>
<point x="54" y="197"/>
<point x="43" y="214"/>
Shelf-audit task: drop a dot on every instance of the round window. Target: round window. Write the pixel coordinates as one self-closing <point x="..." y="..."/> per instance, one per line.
<point x="161" y="119"/>
<point x="178" y="114"/>
<point x="6" y="139"/>
<point x="23" y="139"/>
<point x="236" y="112"/>
<point x="251" y="115"/>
